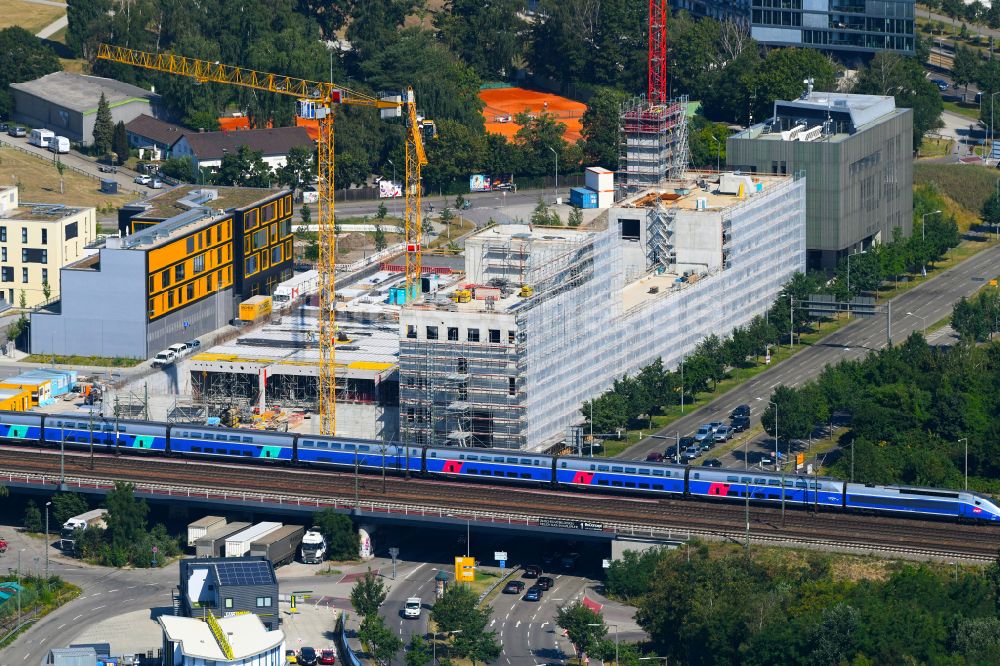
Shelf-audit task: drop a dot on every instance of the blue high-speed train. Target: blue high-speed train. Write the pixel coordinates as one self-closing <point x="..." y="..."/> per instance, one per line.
<point x="497" y="466"/>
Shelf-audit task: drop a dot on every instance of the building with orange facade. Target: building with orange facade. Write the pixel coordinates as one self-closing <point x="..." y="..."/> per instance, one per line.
<point x="182" y="263"/>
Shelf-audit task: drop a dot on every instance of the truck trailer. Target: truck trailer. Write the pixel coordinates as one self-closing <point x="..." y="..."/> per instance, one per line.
<point x="72" y="527"/>
<point x="213" y="544"/>
<point x="280" y="545"/>
<point x="200" y="528"/>
<point x="238" y="544"/>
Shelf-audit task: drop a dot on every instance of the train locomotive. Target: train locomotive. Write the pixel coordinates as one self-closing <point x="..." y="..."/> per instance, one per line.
<point x="497" y="466"/>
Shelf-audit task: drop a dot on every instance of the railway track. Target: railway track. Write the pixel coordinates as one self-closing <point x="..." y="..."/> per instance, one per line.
<point x="712" y="520"/>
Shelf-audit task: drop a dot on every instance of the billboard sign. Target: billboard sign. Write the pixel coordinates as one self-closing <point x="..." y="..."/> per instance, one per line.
<point x="465" y="569"/>
<point x="479" y="182"/>
<point x="389" y="190"/>
<point x="504" y="183"/>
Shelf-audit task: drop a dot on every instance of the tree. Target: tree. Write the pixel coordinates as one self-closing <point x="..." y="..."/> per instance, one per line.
<point x="368" y="594"/>
<point x="32" y="518"/>
<point x="298" y="168"/>
<point x="577" y="619"/>
<point x="86" y="25"/>
<point x="126" y="518"/>
<point x="991" y="210"/>
<point x="544" y="216"/>
<point x="575" y="217"/>
<point x="104" y="127"/>
<point x="489" y="36"/>
<point x="61" y="168"/>
<point x="892" y="74"/>
<point x="23" y="57"/>
<point x="383" y="644"/>
<point x="965" y="69"/>
<point x="342" y="541"/>
<point x="379" y="239"/>
<point x="178" y="168"/>
<point x="453" y="609"/>
<point x="67" y="505"/>
<point x="600" y="131"/>
<point x="246" y="168"/>
<point x="628" y="577"/>
<point x="306" y="214"/>
<point x="476" y="642"/>
<point x="418" y="653"/>
<point x="382" y="212"/>
<point x="446" y="217"/>
<point x="46" y="290"/>
<point x="795" y="419"/>
<point x="119" y="143"/>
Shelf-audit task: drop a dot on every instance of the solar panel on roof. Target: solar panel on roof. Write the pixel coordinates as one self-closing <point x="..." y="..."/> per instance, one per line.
<point x="245" y="573"/>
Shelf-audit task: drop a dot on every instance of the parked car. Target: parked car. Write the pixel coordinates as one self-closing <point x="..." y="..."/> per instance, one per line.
<point x="193" y="344"/>
<point x="104" y="168"/>
<point x="4" y="127"/>
<point x="164" y="358"/>
<point x="156" y="184"/>
<point x="940" y="83"/>
<point x="328" y="657"/>
<point x="534" y="593"/>
<point x="705" y="431"/>
<point x="514" y="587"/>
<point x="654" y="456"/>
<point x="411" y="609"/>
<point x="16" y="130"/>
<point x="715" y="425"/>
<point x="290" y="656"/>
<point x="179" y="349"/>
<point x="723" y="434"/>
<point x="545" y="583"/>
<point x="691" y="453"/>
<point x="532" y="571"/>
<point x="143" y="180"/>
<point x="712" y="462"/>
<point x="307" y="656"/>
<point x="741" y="410"/>
<point x="740" y="423"/>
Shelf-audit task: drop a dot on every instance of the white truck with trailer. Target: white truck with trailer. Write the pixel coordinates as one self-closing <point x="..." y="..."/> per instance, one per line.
<point x="313" y="547"/>
<point x="200" y="528"/>
<point x="71" y="529"/>
<point x="238" y="544"/>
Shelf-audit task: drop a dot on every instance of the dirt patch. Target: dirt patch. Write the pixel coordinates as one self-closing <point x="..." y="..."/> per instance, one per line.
<point x="502" y="104"/>
<point x="855" y="569"/>
<point x="38" y="182"/>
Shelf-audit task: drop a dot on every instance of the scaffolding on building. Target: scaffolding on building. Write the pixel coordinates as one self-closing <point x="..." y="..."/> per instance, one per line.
<point x="660" y="251"/>
<point x="653" y="141"/>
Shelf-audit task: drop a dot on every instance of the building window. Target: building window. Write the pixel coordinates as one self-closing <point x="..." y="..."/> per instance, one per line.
<point x="199" y="263"/>
<point x="24" y="234"/>
<point x="24" y="275"/>
<point x="190" y="290"/>
<point x="473" y="335"/>
<point x="218" y="256"/>
<point x="45" y="256"/>
<point x="3" y="254"/>
<point x="24" y="255"/>
<point x="45" y="236"/>
<point x="218" y="233"/>
<point x="511" y="386"/>
<point x="250" y="266"/>
<point x="3" y="234"/>
<point x="263" y="602"/>
<point x="510" y="337"/>
<point x="208" y="282"/>
<point x="411" y="332"/>
<point x="179" y="272"/>
<point x="170" y="298"/>
<point x="165" y="279"/>
<point x="432" y="332"/>
<point x="71" y="231"/>
<point x="495" y="336"/>
<point x="250" y="220"/>
<point x="190" y="245"/>
<point x="45" y="275"/>
<point x="7" y="275"/>
<point x="276" y="255"/>
<point x="229" y="602"/>
<point x="259" y="239"/>
<point x="286" y="228"/>
<point x="453" y="334"/>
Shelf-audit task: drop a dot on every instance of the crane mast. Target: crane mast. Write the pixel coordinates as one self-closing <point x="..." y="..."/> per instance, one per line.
<point x="316" y="100"/>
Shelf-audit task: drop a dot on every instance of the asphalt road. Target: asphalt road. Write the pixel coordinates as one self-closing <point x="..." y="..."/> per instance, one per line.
<point x="928" y="303"/>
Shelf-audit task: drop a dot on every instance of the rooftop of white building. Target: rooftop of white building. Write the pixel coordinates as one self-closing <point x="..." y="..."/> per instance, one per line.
<point x="703" y="190"/>
<point x="246" y="635"/>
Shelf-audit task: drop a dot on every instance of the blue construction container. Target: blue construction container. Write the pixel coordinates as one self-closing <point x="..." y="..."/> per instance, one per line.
<point x="63" y="381"/>
<point x="583" y="197"/>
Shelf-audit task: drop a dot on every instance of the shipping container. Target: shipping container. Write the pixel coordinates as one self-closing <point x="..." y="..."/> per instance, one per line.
<point x="238" y="544"/>
<point x="581" y="197"/>
<point x="213" y="544"/>
<point x="255" y="308"/>
<point x="280" y="545"/>
<point x="200" y="528"/>
<point x="599" y="179"/>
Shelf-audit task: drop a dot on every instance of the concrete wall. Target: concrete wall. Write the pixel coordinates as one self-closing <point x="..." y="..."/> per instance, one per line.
<point x="199" y="318"/>
<point x="698" y="239"/>
<point x="103" y="311"/>
<point x="76" y="126"/>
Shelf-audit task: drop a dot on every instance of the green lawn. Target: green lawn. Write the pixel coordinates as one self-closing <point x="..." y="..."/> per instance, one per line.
<point x="114" y="362"/>
<point x="970" y="111"/>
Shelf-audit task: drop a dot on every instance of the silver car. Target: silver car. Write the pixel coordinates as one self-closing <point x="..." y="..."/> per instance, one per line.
<point x="723" y="433"/>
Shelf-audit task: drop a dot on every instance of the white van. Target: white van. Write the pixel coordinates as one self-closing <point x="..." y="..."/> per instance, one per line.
<point x="59" y="144"/>
<point x="41" y="137"/>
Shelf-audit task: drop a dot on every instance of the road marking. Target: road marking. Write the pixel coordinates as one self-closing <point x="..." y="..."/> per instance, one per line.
<point x="112" y="591"/>
<point x="98" y="608"/>
<point x="518" y="624"/>
<point x="507" y="616"/>
<point x="26" y="656"/>
<point x="97" y="594"/>
<point x="76" y="618"/>
<point x="493" y="621"/>
<point x="60" y="626"/>
<point x="130" y="587"/>
<point x="544" y="624"/>
<point x="43" y="640"/>
<point x="128" y="600"/>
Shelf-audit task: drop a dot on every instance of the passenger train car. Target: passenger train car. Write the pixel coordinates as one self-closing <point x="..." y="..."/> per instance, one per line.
<point x="496" y="466"/>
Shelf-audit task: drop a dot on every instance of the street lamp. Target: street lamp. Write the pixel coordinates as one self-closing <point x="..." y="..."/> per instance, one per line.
<point x="557" y="167"/>
<point x="775" y="405"/>
<point x="921" y="318"/>
<point x="47" y="505"/>
<point x="966" y="440"/>
<point x="992" y="133"/>
<point x="718" y="151"/>
<point x="923" y="235"/>
<point x="601" y="624"/>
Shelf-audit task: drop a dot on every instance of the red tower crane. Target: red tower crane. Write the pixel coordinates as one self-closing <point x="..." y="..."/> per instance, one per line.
<point x="657" y="93"/>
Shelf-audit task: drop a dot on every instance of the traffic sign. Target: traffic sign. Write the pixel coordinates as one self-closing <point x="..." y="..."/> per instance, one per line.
<point x="500" y="555"/>
<point x="503" y="564"/>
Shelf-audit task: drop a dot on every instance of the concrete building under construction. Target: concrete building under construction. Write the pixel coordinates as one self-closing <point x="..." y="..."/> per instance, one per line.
<point x="653" y="144"/>
<point x="548" y="317"/>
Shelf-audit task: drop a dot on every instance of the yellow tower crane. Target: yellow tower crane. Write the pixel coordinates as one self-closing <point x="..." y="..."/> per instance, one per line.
<point x="315" y="101"/>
